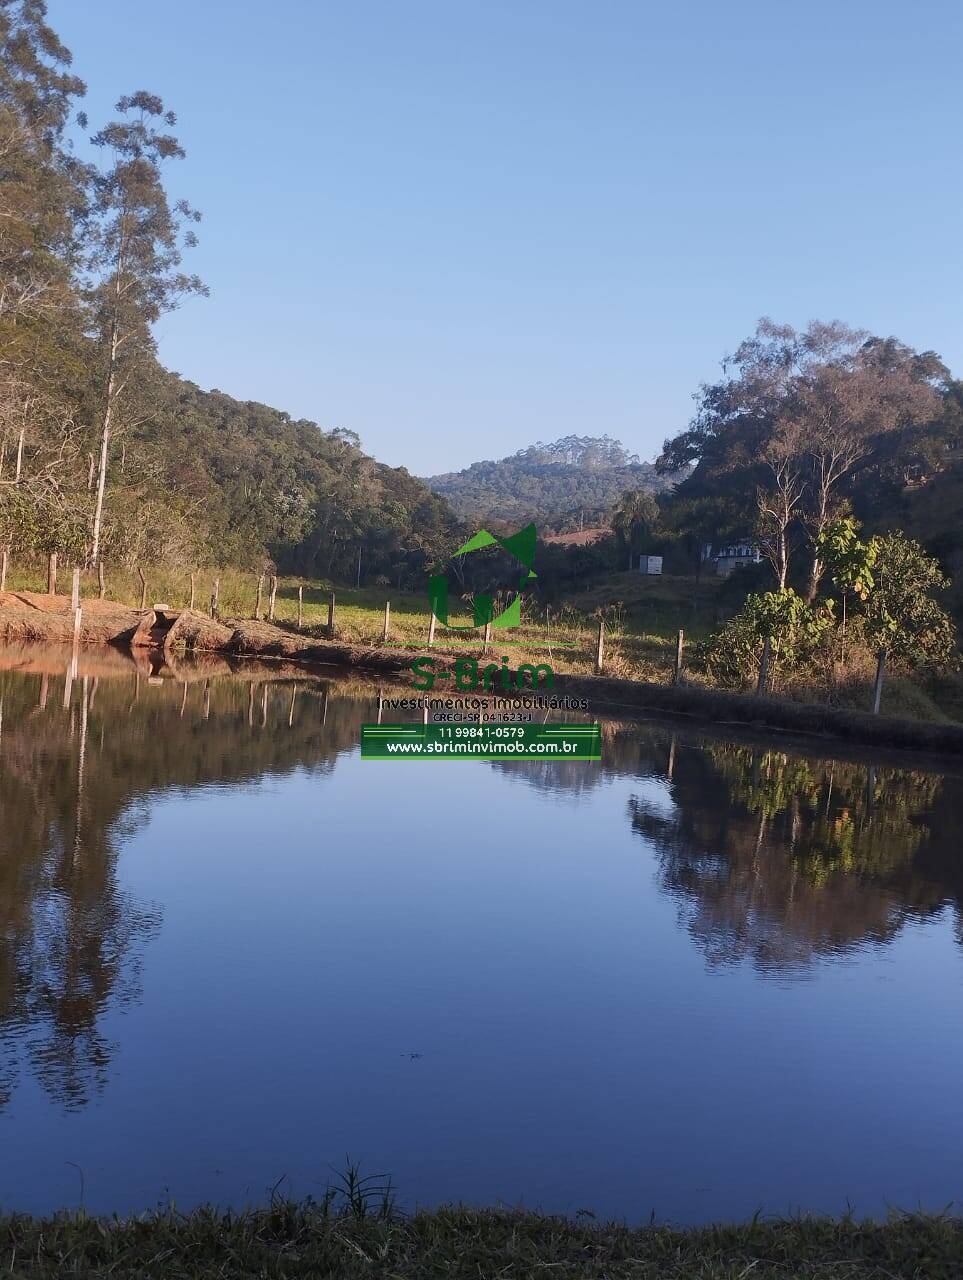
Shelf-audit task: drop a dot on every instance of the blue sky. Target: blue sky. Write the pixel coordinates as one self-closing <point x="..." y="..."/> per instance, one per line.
<point x="458" y="228"/>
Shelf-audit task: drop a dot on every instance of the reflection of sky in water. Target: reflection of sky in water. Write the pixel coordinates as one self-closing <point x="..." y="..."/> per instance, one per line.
<point x="497" y="986"/>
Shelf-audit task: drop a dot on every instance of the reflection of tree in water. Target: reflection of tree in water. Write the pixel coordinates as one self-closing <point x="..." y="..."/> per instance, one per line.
<point x="72" y="770"/>
<point x="779" y="859"/>
<point x="629" y="750"/>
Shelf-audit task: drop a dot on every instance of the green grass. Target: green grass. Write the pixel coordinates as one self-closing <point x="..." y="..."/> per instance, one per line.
<point x="353" y="1237"/>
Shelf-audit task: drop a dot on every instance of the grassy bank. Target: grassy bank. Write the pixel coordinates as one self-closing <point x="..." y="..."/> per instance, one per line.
<point x="563" y="636"/>
<point x="290" y="1241"/>
<point x="642" y="620"/>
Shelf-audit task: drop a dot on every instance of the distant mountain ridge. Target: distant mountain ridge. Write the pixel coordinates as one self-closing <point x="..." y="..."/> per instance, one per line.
<point x="573" y="482"/>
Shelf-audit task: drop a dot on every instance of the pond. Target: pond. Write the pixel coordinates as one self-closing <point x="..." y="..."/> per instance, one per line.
<point x="701" y="979"/>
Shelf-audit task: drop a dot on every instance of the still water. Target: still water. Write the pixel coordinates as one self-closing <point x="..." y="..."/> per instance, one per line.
<point x="698" y="980"/>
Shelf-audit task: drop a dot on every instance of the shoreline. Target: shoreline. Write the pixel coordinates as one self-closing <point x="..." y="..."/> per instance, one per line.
<point x="363" y="1237"/>
<point x="187" y="631"/>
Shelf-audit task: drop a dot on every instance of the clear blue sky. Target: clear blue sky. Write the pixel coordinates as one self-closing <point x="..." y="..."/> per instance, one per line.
<point x="461" y="227"/>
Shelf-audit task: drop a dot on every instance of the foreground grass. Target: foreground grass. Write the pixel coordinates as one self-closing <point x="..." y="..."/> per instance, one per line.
<point x="290" y="1240"/>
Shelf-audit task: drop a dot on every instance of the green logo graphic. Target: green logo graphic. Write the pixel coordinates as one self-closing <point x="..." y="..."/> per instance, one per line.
<point x="521" y="546"/>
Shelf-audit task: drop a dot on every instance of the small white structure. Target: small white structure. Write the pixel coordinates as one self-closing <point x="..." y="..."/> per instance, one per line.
<point x="733" y="555"/>
<point x="650" y="565"/>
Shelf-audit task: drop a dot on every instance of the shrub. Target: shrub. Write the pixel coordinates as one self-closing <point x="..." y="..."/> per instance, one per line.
<point x="795" y="630"/>
<point x="901" y="615"/>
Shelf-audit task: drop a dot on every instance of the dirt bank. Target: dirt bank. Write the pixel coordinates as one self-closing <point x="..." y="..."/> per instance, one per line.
<point x="29" y="618"/>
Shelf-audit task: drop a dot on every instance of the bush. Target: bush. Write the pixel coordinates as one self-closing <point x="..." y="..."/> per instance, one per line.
<point x="795" y="629"/>
<point x="901" y="615"/>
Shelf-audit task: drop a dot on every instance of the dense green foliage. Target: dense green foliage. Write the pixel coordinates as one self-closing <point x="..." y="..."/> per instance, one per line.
<point x="102" y="452"/>
<point x="562" y="486"/>
<point x="891" y="581"/>
<point x="265" y="485"/>
<point x="902" y="616"/>
<point x="793" y="628"/>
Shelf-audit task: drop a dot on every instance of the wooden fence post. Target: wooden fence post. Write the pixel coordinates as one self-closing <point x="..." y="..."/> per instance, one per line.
<point x="384" y="634"/>
<point x="331" y="614"/>
<point x="193" y="589"/>
<point x="678" y="656"/>
<point x="600" y="647"/>
<point x="880" y="676"/>
<point x="4" y="562"/>
<point x="300" y="607"/>
<point x="274" y="594"/>
<point x="215" y="593"/>
<point x="487" y="643"/>
<point x="257" y="598"/>
<point x="763" y="681"/>
<point x="143" y="587"/>
<point x="101" y="580"/>
<point x="78" y="612"/>
<point x="52" y="574"/>
<point x="431" y="630"/>
<point x="75" y="591"/>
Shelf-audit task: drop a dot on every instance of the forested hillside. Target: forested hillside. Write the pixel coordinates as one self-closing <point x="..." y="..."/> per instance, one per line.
<point x="253" y="482"/>
<point x="103" y="453"/>
<point x="564" y="486"/>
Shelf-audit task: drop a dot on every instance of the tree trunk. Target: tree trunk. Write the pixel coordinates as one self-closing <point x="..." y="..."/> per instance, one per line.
<point x="115" y="341"/>
<point x="815" y="578"/>
<point x="104" y="444"/>
<point x="783" y="560"/>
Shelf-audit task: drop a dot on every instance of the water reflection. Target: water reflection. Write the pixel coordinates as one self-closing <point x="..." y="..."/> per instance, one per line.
<point x="512" y="960"/>
<point x="79" y="753"/>
<point x="780" y="859"/>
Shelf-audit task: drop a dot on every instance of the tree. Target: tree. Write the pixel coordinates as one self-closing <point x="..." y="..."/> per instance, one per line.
<point x="793" y="628"/>
<point x="902" y="616"/>
<point x="636" y="518"/>
<point x="849" y="560"/>
<point x="819" y="404"/>
<point x="42" y="187"/>
<point x="42" y="204"/>
<point x="135" y="261"/>
<point x="779" y="502"/>
<point x="863" y="391"/>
